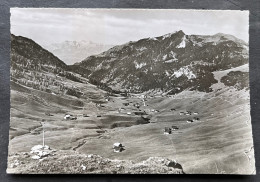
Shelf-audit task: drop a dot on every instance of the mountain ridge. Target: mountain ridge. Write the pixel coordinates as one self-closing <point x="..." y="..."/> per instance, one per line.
<point x="171" y="62"/>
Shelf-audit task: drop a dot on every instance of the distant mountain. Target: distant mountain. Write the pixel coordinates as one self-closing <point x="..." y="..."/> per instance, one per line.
<point x="72" y="51"/>
<point x="170" y="63"/>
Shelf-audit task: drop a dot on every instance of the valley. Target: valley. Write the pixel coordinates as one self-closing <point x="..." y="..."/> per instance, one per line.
<point x="182" y="109"/>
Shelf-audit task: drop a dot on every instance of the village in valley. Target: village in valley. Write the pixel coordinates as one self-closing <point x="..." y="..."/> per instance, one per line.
<point x="171" y="104"/>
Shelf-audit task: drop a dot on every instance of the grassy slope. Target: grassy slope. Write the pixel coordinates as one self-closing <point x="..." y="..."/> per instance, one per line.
<point x="216" y="144"/>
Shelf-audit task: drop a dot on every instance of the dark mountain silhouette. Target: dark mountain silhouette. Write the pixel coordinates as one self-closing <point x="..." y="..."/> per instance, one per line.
<point x="171" y="63"/>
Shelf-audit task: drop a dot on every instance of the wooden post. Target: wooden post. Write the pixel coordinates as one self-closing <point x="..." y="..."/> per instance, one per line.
<point x="43" y="142"/>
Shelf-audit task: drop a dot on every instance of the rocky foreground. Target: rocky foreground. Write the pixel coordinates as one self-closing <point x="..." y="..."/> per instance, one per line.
<point x="61" y="162"/>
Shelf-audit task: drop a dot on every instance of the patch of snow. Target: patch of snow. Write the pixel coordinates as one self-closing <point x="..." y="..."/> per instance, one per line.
<point x="166" y="36"/>
<point x="172" y="55"/>
<point x="184" y="71"/>
<point x="153" y="38"/>
<point x="167" y="73"/>
<point x="183" y="43"/>
<point x="171" y="60"/>
<point x="145" y="71"/>
<point x="139" y="65"/>
<point x="164" y="57"/>
<point x="141" y="49"/>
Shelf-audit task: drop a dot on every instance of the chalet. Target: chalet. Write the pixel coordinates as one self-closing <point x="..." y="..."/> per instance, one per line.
<point x="187" y="113"/>
<point x="196" y="113"/>
<point x="140" y="113"/>
<point x="136" y="105"/>
<point x="146" y="118"/>
<point x="118" y="147"/>
<point x="126" y="104"/>
<point x="128" y="113"/>
<point x="189" y="121"/>
<point x="172" y="109"/>
<point x="175" y="128"/>
<point x="67" y="116"/>
<point x="196" y="119"/>
<point x="107" y="99"/>
<point x="73" y="117"/>
<point x="98" y="116"/>
<point x="85" y="115"/>
<point x="181" y="113"/>
<point x="167" y="130"/>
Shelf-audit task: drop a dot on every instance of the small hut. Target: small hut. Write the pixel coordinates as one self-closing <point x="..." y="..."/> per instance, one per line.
<point x="118" y="147"/>
<point x="167" y="130"/>
<point x="189" y="121"/>
<point x="188" y="113"/>
<point x="67" y="116"/>
<point x="175" y="128"/>
<point x="126" y="104"/>
<point x="196" y="119"/>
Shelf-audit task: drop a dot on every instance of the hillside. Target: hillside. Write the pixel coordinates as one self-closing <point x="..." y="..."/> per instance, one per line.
<point x="170" y="63"/>
<point x="37" y="68"/>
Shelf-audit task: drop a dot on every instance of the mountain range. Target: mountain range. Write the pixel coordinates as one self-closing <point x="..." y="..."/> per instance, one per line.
<point x="74" y="51"/>
<point x="170" y="63"/>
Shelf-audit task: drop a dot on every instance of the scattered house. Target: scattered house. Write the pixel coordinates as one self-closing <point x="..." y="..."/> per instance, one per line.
<point x="172" y="109"/>
<point x="48" y="114"/>
<point x="146" y="118"/>
<point x="118" y="147"/>
<point x="73" y="118"/>
<point x="126" y="104"/>
<point x="181" y="113"/>
<point x="187" y="113"/>
<point x="128" y="113"/>
<point x="85" y="115"/>
<point x="137" y="105"/>
<point x="189" y="121"/>
<point x="167" y="130"/>
<point x="152" y="110"/>
<point x="175" y="128"/>
<point x="196" y="113"/>
<point x="107" y="98"/>
<point x="98" y="105"/>
<point x="196" y="119"/>
<point x="67" y="116"/>
<point x="98" y="116"/>
<point x="140" y="113"/>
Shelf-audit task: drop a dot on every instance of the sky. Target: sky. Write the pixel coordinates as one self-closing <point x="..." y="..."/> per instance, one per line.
<point x="118" y="26"/>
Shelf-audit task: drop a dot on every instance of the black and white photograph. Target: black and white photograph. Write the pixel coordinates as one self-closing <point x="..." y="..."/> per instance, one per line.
<point x="129" y="91"/>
